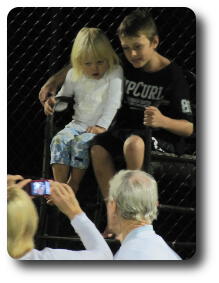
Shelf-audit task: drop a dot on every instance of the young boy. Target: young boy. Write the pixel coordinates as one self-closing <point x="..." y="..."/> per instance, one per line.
<point x="150" y="79"/>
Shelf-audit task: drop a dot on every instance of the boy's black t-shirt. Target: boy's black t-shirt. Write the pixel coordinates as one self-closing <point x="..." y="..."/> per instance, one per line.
<point x="166" y="89"/>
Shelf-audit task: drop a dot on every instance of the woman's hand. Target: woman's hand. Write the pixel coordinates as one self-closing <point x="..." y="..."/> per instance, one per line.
<point x="64" y="198"/>
<point x="17" y="181"/>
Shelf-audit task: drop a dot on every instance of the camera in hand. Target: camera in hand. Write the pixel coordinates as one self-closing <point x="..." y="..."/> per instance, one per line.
<point x="39" y="188"/>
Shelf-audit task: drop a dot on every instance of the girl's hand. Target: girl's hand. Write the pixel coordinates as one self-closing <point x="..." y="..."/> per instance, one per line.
<point x="96" y="130"/>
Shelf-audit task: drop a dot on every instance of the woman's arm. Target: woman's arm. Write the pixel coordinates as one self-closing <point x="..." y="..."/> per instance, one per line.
<point x="96" y="247"/>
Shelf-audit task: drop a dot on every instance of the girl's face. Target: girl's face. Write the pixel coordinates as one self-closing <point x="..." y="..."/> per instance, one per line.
<point x="95" y="69"/>
<point x="138" y="50"/>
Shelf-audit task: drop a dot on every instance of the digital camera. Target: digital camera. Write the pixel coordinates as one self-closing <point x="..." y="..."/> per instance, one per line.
<point x="39" y="188"/>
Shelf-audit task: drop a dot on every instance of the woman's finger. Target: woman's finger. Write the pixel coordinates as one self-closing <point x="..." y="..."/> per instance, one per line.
<point x="23" y="183"/>
<point x="12" y="179"/>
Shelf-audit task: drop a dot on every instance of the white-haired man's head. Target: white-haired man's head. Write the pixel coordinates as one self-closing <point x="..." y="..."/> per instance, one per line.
<point x="135" y="194"/>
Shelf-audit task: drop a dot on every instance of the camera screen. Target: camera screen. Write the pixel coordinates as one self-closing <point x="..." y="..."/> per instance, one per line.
<point x="40" y="188"/>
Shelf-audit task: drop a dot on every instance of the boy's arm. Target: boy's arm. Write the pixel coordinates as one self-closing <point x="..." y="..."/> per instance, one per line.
<point x="66" y="90"/>
<point x="178" y="127"/>
<point x="154" y="118"/>
<point x="53" y="83"/>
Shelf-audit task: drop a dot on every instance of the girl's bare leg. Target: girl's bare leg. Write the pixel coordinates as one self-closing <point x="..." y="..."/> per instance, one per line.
<point x="60" y="172"/>
<point x="75" y="178"/>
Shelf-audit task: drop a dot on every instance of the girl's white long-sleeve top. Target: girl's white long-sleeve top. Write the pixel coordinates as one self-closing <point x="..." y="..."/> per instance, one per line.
<point x="96" y="246"/>
<point x="96" y="101"/>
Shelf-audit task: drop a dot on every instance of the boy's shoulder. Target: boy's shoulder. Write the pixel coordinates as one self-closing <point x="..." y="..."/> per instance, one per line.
<point x="169" y="72"/>
<point x="175" y="70"/>
<point x="171" y="66"/>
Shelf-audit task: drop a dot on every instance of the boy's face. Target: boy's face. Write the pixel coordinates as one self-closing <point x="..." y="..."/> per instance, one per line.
<point x="138" y="50"/>
<point x="94" y="69"/>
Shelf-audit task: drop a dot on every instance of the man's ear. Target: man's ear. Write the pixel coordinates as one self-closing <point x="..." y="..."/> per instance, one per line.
<point x="113" y="207"/>
<point x="155" y="42"/>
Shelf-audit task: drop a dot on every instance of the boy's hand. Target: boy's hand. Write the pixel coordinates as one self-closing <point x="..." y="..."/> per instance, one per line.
<point x="45" y="91"/>
<point x="64" y="198"/>
<point x="49" y="106"/>
<point x="153" y="117"/>
<point x="95" y="130"/>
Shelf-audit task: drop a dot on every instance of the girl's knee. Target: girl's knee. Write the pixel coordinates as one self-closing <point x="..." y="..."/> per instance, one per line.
<point x="56" y="139"/>
<point x="63" y="137"/>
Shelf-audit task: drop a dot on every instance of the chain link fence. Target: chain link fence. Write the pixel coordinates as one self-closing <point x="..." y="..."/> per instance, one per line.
<point x="39" y="44"/>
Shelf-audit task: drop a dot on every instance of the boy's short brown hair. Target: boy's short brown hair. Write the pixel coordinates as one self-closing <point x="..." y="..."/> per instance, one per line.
<point x="138" y="22"/>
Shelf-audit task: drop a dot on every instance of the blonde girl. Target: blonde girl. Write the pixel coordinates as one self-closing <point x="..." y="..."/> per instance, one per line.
<point x="95" y="81"/>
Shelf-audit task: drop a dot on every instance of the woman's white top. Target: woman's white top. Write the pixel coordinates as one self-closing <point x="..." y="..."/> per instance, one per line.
<point x="96" y="101"/>
<point x="96" y="246"/>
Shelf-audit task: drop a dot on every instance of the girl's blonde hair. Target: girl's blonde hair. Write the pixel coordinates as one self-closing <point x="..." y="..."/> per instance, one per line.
<point x="91" y="43"/>
<point x="22" y="221"/>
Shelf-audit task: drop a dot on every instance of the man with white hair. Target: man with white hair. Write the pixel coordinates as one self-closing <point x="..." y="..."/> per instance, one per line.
<point x="131" y="208"/>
